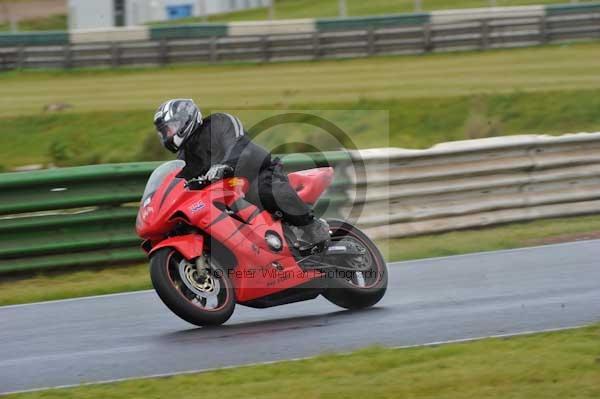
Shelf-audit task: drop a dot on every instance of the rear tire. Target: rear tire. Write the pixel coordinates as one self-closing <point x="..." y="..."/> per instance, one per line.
<point x="346" y="292"/>
<point x="214" y="309"/>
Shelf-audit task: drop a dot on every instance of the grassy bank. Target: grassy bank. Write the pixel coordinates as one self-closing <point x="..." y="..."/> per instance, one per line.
<point x="541" y="366"/>
<point x="51" y="286"/>
<point x="126" y="136"/>
<point x="52" y="22"/>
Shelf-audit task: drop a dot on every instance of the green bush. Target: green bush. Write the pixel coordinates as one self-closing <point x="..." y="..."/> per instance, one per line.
<point x="479" y="123"/>
<point x="62" y="152"/>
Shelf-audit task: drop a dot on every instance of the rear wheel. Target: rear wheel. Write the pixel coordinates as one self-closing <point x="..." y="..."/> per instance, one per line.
<point x="365" y="280"/>
<point x="200" y="293"/>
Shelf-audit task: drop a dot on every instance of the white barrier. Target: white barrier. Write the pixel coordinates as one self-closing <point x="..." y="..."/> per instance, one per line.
<point x="449" y="16"/>
<point x="271" y="27"/>
<point x="478" y="183"/>
<point x="116" y="35"/>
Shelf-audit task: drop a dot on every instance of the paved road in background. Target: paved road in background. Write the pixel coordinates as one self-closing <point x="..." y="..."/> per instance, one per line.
<point x="134" y="335"/>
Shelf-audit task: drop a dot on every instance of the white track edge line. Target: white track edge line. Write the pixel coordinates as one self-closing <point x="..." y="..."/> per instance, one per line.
<point x="297" y="359"/>
<point x="82" y="298"/>
<point x="501" y="251"/>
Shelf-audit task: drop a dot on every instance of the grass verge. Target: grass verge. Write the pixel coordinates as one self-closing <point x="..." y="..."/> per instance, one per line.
<point x="547" y="365"/>
<point x="280" y="85"/>
<point x="514" y="235"/>
<point x="50" y="286"/>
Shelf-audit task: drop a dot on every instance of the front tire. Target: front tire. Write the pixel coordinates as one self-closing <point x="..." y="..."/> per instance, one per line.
<point x="206" y="299"/>
<point x="355" y="290"/>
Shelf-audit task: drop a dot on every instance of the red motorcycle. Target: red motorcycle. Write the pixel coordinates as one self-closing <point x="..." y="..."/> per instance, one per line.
<point x="210" y="249"/>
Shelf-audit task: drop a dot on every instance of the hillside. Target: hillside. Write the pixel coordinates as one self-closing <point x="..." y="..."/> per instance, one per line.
<point x="428" y="99"/>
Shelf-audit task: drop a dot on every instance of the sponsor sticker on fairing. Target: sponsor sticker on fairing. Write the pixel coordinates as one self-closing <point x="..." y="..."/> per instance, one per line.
<point x="198" y="206"/>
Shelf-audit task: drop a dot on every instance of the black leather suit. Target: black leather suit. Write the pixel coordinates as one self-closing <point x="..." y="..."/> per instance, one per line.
<point x="221" y="139"/>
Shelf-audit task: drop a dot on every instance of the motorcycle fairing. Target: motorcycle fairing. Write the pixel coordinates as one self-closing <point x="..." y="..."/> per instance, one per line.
<point x="260" y="271"/>
<point x="190" y="245"/>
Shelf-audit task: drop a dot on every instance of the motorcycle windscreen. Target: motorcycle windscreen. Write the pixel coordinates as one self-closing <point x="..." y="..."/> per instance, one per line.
<point x="158" y="176"/>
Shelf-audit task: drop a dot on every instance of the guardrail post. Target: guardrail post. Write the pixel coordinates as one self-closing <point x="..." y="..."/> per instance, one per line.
<point x="115" y="55"/>
<point x="316" y="42"/>
<point x="427" y="39"/>
<point x="163" y="52"/>
<point x="264" y="43"/>
<point x="214" y="49"/>
<point x="371" y="41"/>
<point x="543" y="30"/>
<point x="67" y="57"/>
<point x="21" y="58"/>
<point x="485" y="35"/>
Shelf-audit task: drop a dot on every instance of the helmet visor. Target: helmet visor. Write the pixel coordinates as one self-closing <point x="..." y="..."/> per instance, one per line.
<point x="169" y="129"/>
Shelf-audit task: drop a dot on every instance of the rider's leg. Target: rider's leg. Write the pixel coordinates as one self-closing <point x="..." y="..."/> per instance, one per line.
<point x="278" y="196"/>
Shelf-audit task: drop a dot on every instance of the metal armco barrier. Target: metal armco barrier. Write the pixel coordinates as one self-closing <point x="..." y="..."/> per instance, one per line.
<point x="479" y="183"/>
<point x="86" y="215"/>
<point x="455" y="30"/>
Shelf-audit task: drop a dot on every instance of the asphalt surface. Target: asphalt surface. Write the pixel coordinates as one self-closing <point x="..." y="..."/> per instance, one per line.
<point x="113" y="337"/>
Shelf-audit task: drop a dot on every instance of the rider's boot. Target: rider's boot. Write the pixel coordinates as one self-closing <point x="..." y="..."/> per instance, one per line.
<point x="311" y="235"/>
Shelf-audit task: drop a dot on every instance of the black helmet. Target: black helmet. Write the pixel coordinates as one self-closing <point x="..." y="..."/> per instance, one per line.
<point x="175" y="121"/>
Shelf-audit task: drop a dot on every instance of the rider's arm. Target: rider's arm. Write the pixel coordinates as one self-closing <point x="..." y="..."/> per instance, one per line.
<point x="235" y="148"/>
<point x="228" y="136"/>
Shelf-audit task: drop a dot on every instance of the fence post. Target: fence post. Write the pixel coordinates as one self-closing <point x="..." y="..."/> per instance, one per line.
<point x="485" y="35"/>
<point x="214" y="54"/>
<point x="371" y="41"/>
<point x="316" y="45"/>
<point x="271" y="10"/>
<point x="115" y="53"/>
<point x="343" y="9"/>
<point x="418" y="6"/>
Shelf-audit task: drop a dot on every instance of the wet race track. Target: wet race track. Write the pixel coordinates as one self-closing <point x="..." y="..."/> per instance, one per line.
<point x="134" y="335"/>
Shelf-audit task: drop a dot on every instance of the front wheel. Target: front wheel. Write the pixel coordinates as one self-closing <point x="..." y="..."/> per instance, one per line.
<point x="364" y="287"/>
<point x="201" y="293"/>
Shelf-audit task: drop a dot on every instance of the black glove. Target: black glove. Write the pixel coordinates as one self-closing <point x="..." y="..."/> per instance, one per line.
<point x="217" y="172"/>
<point x="197" y="183"/>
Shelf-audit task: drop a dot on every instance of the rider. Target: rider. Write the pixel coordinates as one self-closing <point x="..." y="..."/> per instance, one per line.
<point x="217" y="146"/>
